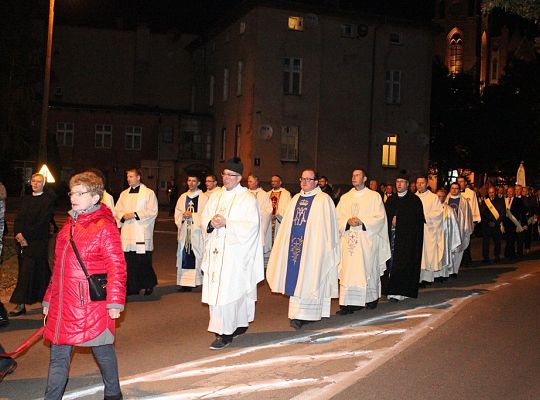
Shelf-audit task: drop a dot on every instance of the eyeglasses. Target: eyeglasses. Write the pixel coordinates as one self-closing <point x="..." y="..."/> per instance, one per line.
<point x="77" y="194"/>
<point x="224" y="174"/>
<point x="307" y="179"/>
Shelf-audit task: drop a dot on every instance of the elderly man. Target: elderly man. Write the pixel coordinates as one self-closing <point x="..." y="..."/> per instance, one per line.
<point x="233" y="259"/>
<point x="364" y="246"/>
<point x="493" y="211"/>
<point x="187" y="213"/>
<point x="265" y="204"/>
<point x="406" y="234"/>
<point x="464" y="218"/>
<point x="515" y="223"/>
<point x="31" y="230"/>
<point x="135" y="213"/>
<point x="433" y="248"/>
<point x="280" y="198"/>
<point x="211" y="183"/>
<point x="304" y="259"/>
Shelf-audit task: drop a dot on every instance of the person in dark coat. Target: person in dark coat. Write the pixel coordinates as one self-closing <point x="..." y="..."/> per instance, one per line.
<point x="492" y="211"/>
<point x="405" y="216"/>
<point x="31" y="230"/>
<point x="514" y="224"/>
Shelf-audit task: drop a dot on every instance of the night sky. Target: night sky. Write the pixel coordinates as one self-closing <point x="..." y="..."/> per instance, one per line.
<point x="194" y="15"/>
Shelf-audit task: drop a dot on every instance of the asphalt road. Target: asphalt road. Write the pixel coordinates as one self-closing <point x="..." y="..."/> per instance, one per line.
<point x="474" y="337"/>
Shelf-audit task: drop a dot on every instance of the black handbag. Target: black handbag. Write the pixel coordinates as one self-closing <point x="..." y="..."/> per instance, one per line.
<point x="97" y="283"/>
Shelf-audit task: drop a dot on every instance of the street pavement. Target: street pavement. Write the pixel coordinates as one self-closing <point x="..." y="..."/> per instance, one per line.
<point x="460" y="331"/>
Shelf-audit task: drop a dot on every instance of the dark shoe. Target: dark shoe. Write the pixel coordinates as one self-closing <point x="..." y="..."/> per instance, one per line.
<point x="343" y="310"/>
<point x="372" y="304"/>
<point x="8" y="369"/>
<point x="148" y="292"/>
<point x="239" y="331"/>
<point x="185" y="289"/>
<point x="296" y="323"/>
<point x="114" y="397"/>
<point x="4" y="320"/>
<point x="18" y="311"/>
<point x="454" y="276"/>
<point x="221" y="342"/>
<point x="393" y="300"/>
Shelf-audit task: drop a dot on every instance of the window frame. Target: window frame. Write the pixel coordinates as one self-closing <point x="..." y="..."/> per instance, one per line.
<point x="64" y="131"/>
<point x="102" y="132"/>
<point x="290" y="71"/>
<point x="390" y="151"/>
<point x="390" y="85"/>
<point x="287" y="133"/>
<point x="295" y="23"/>
<point x="133" y="132"/>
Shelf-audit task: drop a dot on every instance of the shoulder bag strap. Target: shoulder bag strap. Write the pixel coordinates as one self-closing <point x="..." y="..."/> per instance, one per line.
<point x="77" y="252"/>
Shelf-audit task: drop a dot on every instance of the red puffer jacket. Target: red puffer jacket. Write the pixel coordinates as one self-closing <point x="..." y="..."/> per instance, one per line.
<point x="73" y="318"/>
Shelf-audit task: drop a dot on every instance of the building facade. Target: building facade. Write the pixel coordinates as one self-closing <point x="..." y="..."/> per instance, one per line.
<point x="294" y="88"/>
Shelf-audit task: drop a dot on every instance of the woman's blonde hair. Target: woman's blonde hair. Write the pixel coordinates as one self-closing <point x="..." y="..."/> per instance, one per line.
<point x="92" y="182"/>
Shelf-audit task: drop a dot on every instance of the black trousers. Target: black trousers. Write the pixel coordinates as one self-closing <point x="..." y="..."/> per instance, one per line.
<point x="490" y="233"/>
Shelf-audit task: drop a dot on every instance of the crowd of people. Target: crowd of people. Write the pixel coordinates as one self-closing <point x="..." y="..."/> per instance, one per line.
<point x="374" y="240"/>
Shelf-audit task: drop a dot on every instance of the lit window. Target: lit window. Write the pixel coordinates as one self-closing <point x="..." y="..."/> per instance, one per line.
<point x="455" y="54"/>
<point x="211" y="88"/>
<point x="395" y="38"/>
<point x="223" y="143"/>
<point x="392" y="87"/>
<point x="225" y="84"/>
<point x="133" y="138"/>
<point x="239" y="78"/>
<point x="292" y="75"/>
<point x="237" y="132"/>
<point x="289" y="143"/>
<point x="64" y="133"/>
<point x="103" y="136"/>
<point x="242" y="27"/>
<point x="389" y="152"/>
<point x="296" y="23"/>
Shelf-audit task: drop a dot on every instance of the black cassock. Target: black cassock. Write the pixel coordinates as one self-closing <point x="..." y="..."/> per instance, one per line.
<point x="33" y="221"/>
<point x="402" y="275"/>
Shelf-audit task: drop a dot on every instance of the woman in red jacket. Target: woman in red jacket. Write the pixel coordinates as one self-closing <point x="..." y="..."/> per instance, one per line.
<point x="72" y="318"/>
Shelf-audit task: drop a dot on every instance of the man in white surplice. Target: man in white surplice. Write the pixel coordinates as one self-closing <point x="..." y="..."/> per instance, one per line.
<point x="433" y="247"/>
<point x="365" y="246"/>
<point x="452" y="239"/>
<point x="265" y="204"/>
<point x="464" y="218"/>
<point x="187" y="217"/>
<point x="280" y="198"/>
<point x="304" y="258"/>
<point x="233" y="259"/>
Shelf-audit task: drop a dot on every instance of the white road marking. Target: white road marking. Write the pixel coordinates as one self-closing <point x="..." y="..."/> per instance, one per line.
<point x="525" y="276"/>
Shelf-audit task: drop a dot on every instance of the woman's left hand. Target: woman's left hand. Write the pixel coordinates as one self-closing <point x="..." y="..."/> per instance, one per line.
<point x="114" y="313"/>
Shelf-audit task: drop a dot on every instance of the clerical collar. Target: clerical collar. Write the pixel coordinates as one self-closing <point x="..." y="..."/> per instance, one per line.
<point x="191" y="194"/>
<point x="134" y="189"/>
<point x="311" y="192"/>
<point x="402" y="193"/>
<point x="37" y="193"/>
<point x="455" y="197"/>
<point x="462" y="190"/>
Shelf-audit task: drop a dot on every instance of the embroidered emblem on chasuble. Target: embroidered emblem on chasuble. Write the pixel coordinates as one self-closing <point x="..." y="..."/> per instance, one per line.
<point x="296" y="242"/>
<point x="274" y="196"/>
<point x="188" y="258"/>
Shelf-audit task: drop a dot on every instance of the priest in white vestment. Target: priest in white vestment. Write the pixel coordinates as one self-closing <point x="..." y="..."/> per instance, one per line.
<point x="280" y="198"/>
<point x="233" y="258"/>
<point x="136" y="212"/>
<point x="304" y="258"/>
<point x="452" y="239"/>
<point x="212" y="187"/>
<point x="365" y="246"/>
<point x="433" y="246"/>
<point x="187" y="217"/>
<point x="465" y="222"/>
<point x="265" y="204"/>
